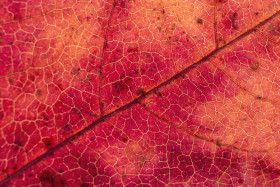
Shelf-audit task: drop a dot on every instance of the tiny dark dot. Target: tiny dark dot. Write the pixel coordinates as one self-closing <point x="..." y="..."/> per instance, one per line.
<point x="11" y="81"/>
<point x="84" y="185"/>
<point x="218" y="143"/>
<point x="159" y="94"/>
<point x="124" y="139"/>
<point x="75" y="71"/>
<point x="199" y="21"/>
<point x="235" y="27"/>
<point x="221" y="1"/>
<point x="140" y="91"/>
<point x="18" y="143"/>
<point x="48" y="142"/>
<point x="240" y="181"/>
<point x="15" y="167"/>
<point x="39" y="92"/>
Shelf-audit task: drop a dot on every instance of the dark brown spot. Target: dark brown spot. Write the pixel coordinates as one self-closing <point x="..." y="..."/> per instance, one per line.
<point x="11" y="81"/>
<point x="48" y="142"/>
<point x="259" y="97"/>
<point x="255" y="66"/>
<point x="135" y="71"/>
<point x="235" y="27"/>
<point x="45" y="117"/>
<point x="148" y="55"/>
<point x="173" y="27"/>
<point x="140" y="91"/>
<point x="15" y="167"/>
<point x="158" y="93"/>
<point x="85" y="185"/>
<point x="221" y="1"/>
<point x="74" y="71"/>
<point x="257" y="13"/>
<point x="120" y="86"/>
<point x="218" y="143"/>
<point x="46" y="178"/>
<point x="143" y="70"/>
<point x="132" y="49"/>
<point x="66" y="127"/>
<point x="221" y="40"/>
<point x="1" y="115"/>
<point x="18" y="143"/>
<point x="240" y="181"/>
<point x="233" y="20"/>
<point x="39" y="92"/>
<point x="122" y="76"/>
<point x="76" y="111"/>
<point x="124" y="140"/>
<point x="199" y="21"/>
<point x="1" y="38"/>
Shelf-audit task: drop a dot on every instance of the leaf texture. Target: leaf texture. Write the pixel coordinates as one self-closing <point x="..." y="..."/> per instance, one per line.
<point x="139" y="93"/>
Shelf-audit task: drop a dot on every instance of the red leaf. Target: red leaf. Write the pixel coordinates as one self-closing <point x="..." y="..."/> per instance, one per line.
<point x="128" y="93"/>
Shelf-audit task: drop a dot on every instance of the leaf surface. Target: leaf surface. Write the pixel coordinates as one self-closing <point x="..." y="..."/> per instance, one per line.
<point x="123" y="93"/>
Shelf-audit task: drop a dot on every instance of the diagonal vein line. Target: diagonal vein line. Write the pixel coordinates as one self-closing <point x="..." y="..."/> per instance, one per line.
<point x="135" y="101"/>
<point x="103" y="56"/>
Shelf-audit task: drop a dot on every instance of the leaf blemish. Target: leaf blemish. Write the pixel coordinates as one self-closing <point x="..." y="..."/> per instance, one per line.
<point x="199" y="21"/>
<point x="39" y="92"/>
